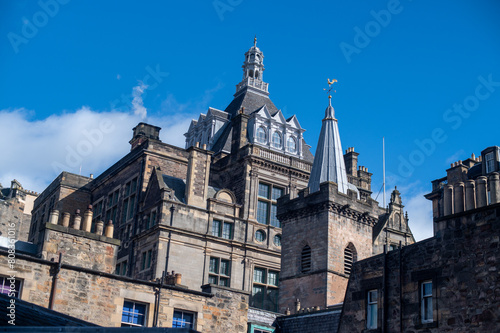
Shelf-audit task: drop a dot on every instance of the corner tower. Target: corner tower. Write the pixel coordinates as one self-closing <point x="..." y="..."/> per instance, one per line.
<point x="325" y="230"/>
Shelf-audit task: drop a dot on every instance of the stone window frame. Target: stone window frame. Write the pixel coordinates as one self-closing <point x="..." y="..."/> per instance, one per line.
<point x="265" y="286"/>
<point x="178" y="319"/>
<point x="150" y="218"/>
<point x="5" y="287"/>
<point x="372" y="309"/>
<point x="424" y="297"/>
<point x="350" y="257"/>
<point x="122" y="266"/>
<point x="262" y="236"/>
<point x="98" y="212"/>
<point x="129" y="196"/>
<point x="221" y="230"/>
<point x="215" y="272"/>
<point x="277" y="240"/>
<point x="146" y="259"/>
<point x="267" y="216"/>
<point x="306" y="259"/>
<point x="140" y="315"/>
<point x="112" y="205"/>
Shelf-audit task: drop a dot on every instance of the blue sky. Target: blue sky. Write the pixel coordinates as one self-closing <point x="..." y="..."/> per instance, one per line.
<point x="423" y="74"/>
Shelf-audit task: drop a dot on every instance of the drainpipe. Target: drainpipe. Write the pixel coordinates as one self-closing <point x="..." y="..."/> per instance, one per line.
<point x="384" y="293"/>
<point x="157" y="300"/>
<point x="56" y="269"/>
<point x="172" y="210"/>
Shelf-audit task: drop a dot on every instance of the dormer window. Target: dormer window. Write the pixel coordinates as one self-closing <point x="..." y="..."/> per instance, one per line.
<point x="261" y="135"/>
<point x="277" y="142"/>
<point x="292" y="145"/>
<point x="490" y="162"/>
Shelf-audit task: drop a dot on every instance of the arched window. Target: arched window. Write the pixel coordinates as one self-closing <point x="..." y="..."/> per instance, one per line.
<point x="277" y="143"/>
<point x="256" y="74"/>
<point x="250" y="73"/>
<point x="305" y="262"/>
<point x="261" y="135"/>
<point x="292" y="145"/>
<point x="350" y="257"/>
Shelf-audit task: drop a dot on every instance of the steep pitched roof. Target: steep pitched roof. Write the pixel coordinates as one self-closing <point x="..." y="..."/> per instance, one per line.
<point x="251" y="101"/>
<point x="329" y="163"/>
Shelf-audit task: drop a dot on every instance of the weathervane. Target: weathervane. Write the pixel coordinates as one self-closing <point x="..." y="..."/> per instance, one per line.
<point x="330" y="87"/>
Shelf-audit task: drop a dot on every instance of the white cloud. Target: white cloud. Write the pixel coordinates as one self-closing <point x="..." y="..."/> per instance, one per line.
<point x="137" y="103"/>
<point x="420" y="215"/>
<point x="455" y="157"/>
<point x="85" y="141"/>
<point x="36" y="151"/>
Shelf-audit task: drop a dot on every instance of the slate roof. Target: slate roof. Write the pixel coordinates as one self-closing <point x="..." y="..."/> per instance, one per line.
<point x="179" y="187"/>
<point x="251" y="101"/>
<point x="29" y="314"/>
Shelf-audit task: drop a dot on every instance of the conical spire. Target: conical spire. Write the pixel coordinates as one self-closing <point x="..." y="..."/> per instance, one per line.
<point x="329" y="159"/>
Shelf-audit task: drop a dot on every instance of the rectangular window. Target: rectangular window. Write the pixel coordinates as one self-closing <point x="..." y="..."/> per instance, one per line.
<point x="143" y="261"/>
<point x="263" y="190"/>
<point x="264" y="289"/>
<point x="490" y="162"/>
<point x="266" y="204"/>
<point x="426" y="301"/>
<point x="262" y="212"/>
<point x="216" y="228"/>
<point x="11" y="287"/>
<point x="227" y="230"/>
<point x="124" y="268"/>
<point x="219" y="271"/>
<point x="153" y="217"/>
<point x="183" y="319"/>
<point x="134" y="314"/>
<point x="273" y="278"/>
<point x="371" y="311"/>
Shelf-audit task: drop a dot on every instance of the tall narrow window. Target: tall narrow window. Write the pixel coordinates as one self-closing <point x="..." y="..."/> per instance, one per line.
<point x="261" y="135"/>
<point x="216" y="228"/>
<point x="349" y="258"/>
<point x="291" y="145"/>
<point x="490" y="162"/>
<point x="265" y="289"/>
<point x="277" y="142"/>
<point x="426" y="301"/>
<point x="371" y="311"/>
<point x="305" y="259"/>
<point x="267" y="206"/>
<point x="227" y="230"/>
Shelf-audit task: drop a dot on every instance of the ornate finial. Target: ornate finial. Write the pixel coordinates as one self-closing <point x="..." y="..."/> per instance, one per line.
<point x="255" y="41"/>
<point x="330" y="87"/>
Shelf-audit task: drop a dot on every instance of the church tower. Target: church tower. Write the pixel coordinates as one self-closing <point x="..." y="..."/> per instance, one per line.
<point x="325" y="229"/>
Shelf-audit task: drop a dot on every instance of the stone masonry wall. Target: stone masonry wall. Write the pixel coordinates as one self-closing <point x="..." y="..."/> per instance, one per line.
<point x="11" y="212"/>
<point x="463" y="263"/>
<point x="98" y="297"/>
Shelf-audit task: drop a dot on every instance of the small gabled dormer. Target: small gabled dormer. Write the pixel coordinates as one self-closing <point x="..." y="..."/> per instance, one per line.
<point x="275" y="132"/>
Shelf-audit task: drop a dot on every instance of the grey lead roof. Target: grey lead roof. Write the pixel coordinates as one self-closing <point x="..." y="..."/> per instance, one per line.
<point x="329" y="163"/>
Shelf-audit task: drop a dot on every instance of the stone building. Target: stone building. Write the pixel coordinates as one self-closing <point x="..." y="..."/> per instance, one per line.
<point x="16" y="204"/>
<point x="332" y="224"/>
<point x="209" y="210"/>
<point x="73" y="274"/>
<point x="447" y="283"/>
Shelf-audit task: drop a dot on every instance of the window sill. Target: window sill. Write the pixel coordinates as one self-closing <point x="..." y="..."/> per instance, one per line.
<point x="432" y="324"/>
